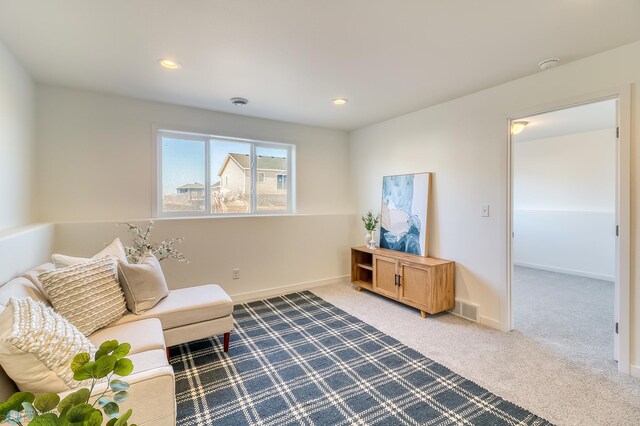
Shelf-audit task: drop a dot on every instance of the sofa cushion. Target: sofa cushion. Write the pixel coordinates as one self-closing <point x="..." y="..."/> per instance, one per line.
<point x="187" y="306"/>
<point x="143" y="335"/>
<point x="32" y="275"/>
<point x="20" y="288"/>
<point x="143" y="283"/>
<point x="115" y="249"/>
<point x="87" y="294"/>
<point x="37" y="346"/>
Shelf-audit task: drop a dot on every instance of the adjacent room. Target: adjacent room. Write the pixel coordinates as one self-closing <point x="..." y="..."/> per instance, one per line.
<point x="564" y="231"/>
<point x="233" y="212"/>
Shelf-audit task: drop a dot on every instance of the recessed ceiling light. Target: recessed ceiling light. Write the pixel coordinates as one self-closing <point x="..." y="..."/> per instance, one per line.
<point x="340" y="101"/>
<point x="239" y="101"/>
<point x="169" y="63"/>
<point x="518" y="126"/>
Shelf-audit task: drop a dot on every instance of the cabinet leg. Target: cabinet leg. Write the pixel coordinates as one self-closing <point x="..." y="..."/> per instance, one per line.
<point x="359" y="288"/>
<point x="423" y="314"/>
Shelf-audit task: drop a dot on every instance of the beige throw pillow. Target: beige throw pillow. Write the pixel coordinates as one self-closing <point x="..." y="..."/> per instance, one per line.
<point x="143" y="284"/>
<point x="115" y="249"/>
<point x="37" y="346"/>
<point x="87" y="294"/>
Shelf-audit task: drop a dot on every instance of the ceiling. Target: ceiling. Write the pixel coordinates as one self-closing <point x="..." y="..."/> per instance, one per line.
<point x="290" y="58"/>
<point x="578" y="119"/>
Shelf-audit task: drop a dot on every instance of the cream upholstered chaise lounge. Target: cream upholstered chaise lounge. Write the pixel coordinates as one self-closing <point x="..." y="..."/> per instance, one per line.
<point x="184" y="315"/>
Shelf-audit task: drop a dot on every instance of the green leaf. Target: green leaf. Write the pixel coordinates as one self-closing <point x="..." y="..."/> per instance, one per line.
<point x="111" y="409"/>
<point x="122" y="350"/>
<point x="46" y="402"/>
<point x="81" y="396"/>
<point x="121" y="397"/>
<point x="48" y="419"/>
<point x="79" y="360"/>
<point x="119" y="385"/>
<point x="85" y="372"/>
<point x="122" y="421"/>
<point x="109" y="346"/>
<point x="29" y="410"/>
<point x="104" y="366"/>
<point x="14" y="403"/>
<point x="95" y="418"/>
<point x="103" y="401"/>
<point x="111" y="422"/>
<point x="123" y="367"/>
<point x="79" y="413"/>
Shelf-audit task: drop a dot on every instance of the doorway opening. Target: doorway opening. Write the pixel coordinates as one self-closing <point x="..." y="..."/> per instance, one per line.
<point x="567" y="200"/>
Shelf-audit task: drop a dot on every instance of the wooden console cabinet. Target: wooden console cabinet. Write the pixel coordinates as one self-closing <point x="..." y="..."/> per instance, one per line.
<point x="422" y="282"/>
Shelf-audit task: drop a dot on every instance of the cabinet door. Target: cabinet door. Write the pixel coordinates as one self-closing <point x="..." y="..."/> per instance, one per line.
<point x="415" y="286"/>
<point x="384" y="276"/>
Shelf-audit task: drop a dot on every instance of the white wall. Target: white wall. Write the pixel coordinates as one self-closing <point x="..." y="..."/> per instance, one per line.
<point x="564" y="203"/>
<point x="23" y="248"/>
<point x="464" y="141"/>
<point x="95" y="159"/>
<point x="95" y="169"/>
<point x="275" y="255"/>
<point x="16" y="141"/>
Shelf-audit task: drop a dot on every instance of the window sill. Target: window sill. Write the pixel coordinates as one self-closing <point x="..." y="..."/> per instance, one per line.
<point x="225" y="216"/>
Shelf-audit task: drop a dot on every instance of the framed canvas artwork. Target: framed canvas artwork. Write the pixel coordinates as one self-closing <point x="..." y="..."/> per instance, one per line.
<point x="405" y="213"/>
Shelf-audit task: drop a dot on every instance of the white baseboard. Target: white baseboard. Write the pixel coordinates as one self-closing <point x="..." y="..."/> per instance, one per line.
<point x="279" y="291"/>
<point x="566" y="271"/>
<point x="634" y="371"/>
<point x="490" y="322"/>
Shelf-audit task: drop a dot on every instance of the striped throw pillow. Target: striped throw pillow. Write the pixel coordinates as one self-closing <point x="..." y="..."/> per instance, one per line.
<point x="37" y="346"/>
<point x="88" y="294"/>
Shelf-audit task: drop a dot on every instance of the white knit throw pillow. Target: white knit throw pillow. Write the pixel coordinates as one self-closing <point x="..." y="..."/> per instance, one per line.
<point x="88" y="294"/>
<point x="37" y="346"/>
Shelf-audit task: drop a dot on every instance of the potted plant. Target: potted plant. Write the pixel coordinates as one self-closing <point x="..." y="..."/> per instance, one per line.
<point x="370" y="224"/>
<point x="46" y="409"/>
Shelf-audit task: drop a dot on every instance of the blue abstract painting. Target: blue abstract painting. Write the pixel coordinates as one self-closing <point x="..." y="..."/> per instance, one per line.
<point x="403" y="217"/>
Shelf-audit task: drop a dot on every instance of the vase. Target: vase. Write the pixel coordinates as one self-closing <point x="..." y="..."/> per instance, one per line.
<point x="372" y="240"/>
<point x="367" y="238"/>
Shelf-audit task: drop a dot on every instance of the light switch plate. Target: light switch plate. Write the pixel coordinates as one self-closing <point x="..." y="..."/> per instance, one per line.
<point x="484" y="211"/>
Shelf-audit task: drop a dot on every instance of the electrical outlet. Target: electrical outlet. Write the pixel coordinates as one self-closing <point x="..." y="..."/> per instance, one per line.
<point x="484" y="211"/>
<point x="236" y="274"/>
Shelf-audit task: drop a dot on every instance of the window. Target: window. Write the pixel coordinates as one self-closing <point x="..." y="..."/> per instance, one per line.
<point x="282" y="181"/>
<point x="211" y="175"/>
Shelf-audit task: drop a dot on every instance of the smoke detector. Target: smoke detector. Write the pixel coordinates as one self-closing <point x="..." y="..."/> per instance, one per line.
<point x="239" y="101"/>
<point x="548" y="63"/>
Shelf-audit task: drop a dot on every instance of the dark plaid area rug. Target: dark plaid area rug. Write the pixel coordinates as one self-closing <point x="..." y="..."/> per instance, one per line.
<point x="298" y="360"/>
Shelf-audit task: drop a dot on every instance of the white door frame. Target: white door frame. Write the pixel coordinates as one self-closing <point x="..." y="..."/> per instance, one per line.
<point x="623" y="207"/>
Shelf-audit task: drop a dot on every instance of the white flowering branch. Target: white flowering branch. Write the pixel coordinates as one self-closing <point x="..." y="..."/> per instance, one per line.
<point x="141" y="244"/>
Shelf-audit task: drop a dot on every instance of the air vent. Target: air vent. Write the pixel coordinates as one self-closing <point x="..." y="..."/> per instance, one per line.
<point x="239" y="101"/>
<point x="466" y="310"/>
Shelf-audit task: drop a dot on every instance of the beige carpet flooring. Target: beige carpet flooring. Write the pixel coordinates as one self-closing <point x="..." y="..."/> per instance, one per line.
<point x="512" y="365"/>
<point x="569" y="315"/>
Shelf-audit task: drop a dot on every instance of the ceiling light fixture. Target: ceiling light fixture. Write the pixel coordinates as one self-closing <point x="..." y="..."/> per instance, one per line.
<point x="239" y="101"/>
<point x="170" y="63"/>
<point x="518" y="126"/>
<point x="340" y="101"/>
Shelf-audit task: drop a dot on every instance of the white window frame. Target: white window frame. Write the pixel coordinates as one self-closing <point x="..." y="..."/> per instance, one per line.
<point x="206" y="140"/>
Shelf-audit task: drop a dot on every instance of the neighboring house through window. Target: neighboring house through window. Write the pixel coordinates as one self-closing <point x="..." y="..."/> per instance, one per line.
<point x="207" y="175"/>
